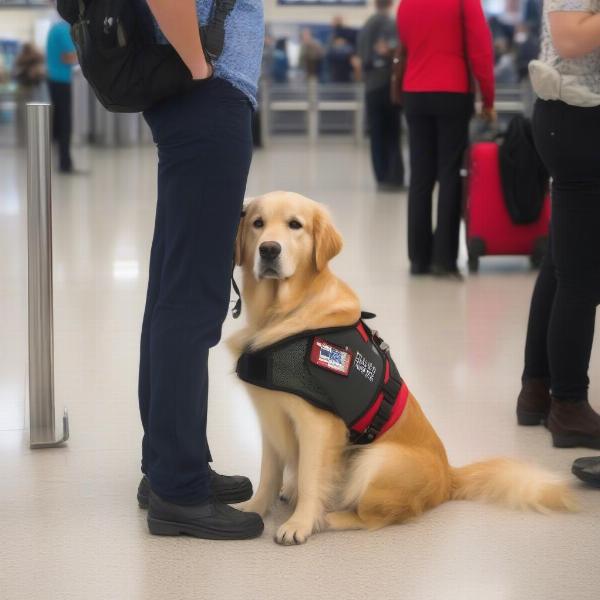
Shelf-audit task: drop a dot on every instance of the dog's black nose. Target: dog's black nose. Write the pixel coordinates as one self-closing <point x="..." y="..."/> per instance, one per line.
<point x="269" y="250"/>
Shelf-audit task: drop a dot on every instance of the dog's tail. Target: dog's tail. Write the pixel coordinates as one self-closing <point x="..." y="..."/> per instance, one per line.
<point x="511" y="483"/>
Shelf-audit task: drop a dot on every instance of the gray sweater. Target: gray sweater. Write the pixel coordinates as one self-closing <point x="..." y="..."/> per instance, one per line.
<point x="377" y="69"/>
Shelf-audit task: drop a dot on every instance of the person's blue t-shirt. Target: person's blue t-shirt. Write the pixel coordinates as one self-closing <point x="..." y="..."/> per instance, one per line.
<point x="59" y="42"/>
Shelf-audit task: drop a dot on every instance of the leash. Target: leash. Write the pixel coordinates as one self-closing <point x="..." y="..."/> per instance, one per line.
<point x="236" y="311"/>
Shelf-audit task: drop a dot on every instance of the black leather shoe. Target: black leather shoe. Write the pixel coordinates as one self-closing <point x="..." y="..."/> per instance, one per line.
<point x="229" y="489"/>
<point x="588" y="470"/>
<point x="419" y="269"/>
<point x="143" y="493"/>
<point x="211" y="520"/>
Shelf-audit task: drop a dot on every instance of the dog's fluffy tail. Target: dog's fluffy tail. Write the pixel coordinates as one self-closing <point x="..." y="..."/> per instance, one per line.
<point x="513" y="484"/>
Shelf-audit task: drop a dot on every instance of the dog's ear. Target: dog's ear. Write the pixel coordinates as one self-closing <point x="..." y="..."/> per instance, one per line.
<point x="239" y="240"/>
<point x="327" y="239"/>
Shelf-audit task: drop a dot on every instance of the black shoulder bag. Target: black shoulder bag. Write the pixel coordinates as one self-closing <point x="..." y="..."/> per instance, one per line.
<point x="120" y="57"/>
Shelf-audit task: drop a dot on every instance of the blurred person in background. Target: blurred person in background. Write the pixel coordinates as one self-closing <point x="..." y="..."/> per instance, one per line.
<point x="377" y="42"/>
<point x="560" y="335"/>
<point x="341" y="52"/>
<point x="339" y="30"/>
<point x="445" y="43"/>
<point x="532" y="16"/>
<point x="339" y="61"/>
<point x="29" y="72"/>
<point x="505" y="68"/>
<point x="527" y="48"/>
<point x="280" y="63"/>
<point x="61" y="56"/>
<point x="311" y="54"/>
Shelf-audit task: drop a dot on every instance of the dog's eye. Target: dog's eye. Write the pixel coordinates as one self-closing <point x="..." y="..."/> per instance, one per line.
<point x="294" y="224"/>
<point x="258" y="223"/>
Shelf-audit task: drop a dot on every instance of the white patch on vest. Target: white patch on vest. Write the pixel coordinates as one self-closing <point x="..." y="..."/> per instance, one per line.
<point x="365" y="367"/>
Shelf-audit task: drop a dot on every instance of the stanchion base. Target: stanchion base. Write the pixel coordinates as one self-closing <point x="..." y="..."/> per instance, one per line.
<point x="57" y="443"/>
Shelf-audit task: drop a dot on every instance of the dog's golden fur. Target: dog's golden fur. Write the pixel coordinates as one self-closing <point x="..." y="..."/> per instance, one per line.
<point x="330" y="484"/>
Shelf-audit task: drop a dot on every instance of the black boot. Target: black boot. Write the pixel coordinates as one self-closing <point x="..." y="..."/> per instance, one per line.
<point x="533" y="404"/>
<point x="229" y="489"/>
<point x="588" y="470"/>
<point x="574" y="424"/>
<point x="210" y="520"/>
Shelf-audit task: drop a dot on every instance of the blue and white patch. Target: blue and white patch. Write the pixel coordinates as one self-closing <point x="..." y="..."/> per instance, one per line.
<point x="330" y="357"/>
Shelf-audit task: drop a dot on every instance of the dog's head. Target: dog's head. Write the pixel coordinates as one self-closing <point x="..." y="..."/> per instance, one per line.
<point x="283" y="233"/>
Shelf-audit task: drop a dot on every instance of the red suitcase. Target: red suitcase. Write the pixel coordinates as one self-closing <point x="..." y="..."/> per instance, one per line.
<point x="490" y="230"/>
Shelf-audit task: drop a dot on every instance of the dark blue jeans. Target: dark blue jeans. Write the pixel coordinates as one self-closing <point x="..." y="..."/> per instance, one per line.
<point x="204" y="150"/>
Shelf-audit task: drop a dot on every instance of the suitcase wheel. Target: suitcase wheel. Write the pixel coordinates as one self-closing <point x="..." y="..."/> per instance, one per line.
<point x="476" y="249"/>
<point x="473" y="264"/>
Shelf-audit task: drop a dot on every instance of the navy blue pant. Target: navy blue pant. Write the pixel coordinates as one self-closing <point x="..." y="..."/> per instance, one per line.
<point x="62" y="120"/>
<point x="204" y="150"/>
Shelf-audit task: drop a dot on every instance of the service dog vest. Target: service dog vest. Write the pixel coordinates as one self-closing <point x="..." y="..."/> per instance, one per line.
<point x="345" y="370"/>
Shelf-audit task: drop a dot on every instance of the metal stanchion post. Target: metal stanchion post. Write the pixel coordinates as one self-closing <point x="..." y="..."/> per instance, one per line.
<point x="359" y="115"/>
<point x="39" y="240"/>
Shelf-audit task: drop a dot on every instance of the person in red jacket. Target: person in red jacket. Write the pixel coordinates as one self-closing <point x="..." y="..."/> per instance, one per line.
<point x="447" y="43"/>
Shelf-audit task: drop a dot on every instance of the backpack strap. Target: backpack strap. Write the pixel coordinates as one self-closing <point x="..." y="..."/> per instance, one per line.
<point x="213" y="33"/>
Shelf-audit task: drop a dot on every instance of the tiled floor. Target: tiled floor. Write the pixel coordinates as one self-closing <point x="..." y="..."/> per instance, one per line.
<point x="69" y="524"/>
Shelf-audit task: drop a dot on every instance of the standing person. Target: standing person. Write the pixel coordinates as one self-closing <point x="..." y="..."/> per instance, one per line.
<point x="445" y="41"/>
<point x="29" y="72"/>
<point x="204" y="145"/>
<point x="61" y="56"/>
<point x="376" y="44"/>
<point x="566" y="126"/>
<point x="311" y="54"/>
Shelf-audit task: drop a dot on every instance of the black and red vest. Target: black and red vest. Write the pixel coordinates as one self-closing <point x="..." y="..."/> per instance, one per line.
<point x="345" y="370"/>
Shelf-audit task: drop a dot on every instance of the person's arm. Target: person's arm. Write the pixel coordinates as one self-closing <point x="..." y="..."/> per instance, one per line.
<point x="68" y="58"/>
<point x="179" y="22"/>
<point x="574" y="33"/>
<point x="480" y="52"/>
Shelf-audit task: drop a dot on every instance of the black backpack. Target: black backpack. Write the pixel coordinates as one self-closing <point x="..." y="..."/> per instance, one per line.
<point x="120" y="57"/>
<point x="524" y="177"/>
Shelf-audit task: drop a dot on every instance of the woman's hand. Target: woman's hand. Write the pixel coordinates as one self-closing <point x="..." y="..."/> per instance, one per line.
<point x="202" y="71"/>
<point x="488" y="114"/>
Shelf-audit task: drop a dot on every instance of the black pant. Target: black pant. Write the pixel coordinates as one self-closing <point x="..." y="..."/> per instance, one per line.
<point x="62" y="119"/>
<point x="204" y="149"/>
<point x="438" y="125"/>
<point x="385" y="135"/>
<point x="563" y="307"/>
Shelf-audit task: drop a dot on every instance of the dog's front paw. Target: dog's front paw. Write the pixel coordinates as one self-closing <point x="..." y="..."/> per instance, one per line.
<point x="293" y="533"/>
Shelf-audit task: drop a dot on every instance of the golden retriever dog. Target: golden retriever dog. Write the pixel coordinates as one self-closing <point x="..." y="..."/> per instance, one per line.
<point x="284" y="244"/>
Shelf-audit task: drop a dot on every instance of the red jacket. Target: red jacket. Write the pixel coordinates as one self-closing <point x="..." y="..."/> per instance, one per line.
<point x="435" y="34"/>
